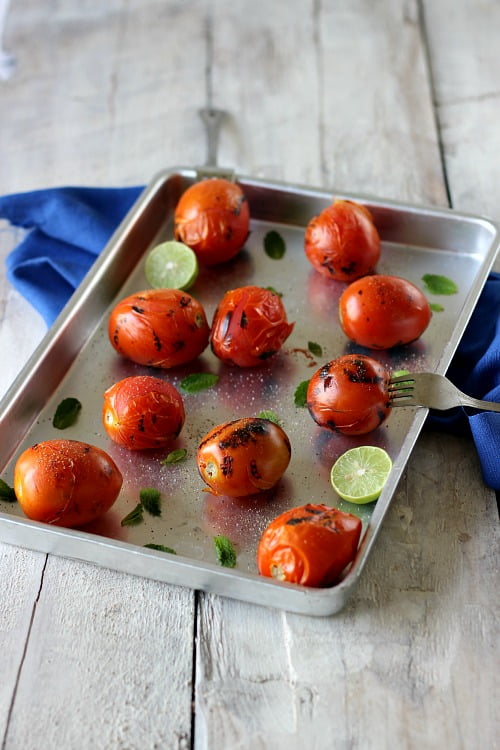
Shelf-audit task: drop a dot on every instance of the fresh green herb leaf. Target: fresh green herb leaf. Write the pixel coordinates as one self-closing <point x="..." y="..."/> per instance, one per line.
<point x="300" y="395"/>
<point x="274" y="245"/>
<point x="274" y="291"/>
<point x="439" y="284"/>
<point x="315" y="349"/>
<point x="135" y="517"/>
<point x="436" y="307"/>
<point x="270" y="415"/>
<point x="7" y="493"/>
<point x="66" y="413"/>
<point x="161" y="548"/>
<point x="398" y="373"/>
<point x="225" y="551"/>
<point x="198" y="381"/>
<point x="150" y="501"/>
<point x="174" y="457"/>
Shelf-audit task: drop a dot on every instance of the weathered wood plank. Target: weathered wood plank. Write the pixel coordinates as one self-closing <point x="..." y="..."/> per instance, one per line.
<point x="108" y="663"/>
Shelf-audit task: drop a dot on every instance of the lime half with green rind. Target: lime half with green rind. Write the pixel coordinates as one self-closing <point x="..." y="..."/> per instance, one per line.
<point x="359" y="474"/>
<point x="171" y="265"/>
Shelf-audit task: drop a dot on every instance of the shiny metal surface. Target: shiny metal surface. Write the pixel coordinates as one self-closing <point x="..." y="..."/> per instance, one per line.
<point x="76" y="359"/>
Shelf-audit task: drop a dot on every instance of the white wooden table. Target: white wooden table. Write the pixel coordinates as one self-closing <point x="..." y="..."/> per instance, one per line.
<point x="396" y="98"/>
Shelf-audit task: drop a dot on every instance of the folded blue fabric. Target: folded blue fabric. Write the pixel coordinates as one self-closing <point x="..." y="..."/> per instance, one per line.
<point x="70" y="226"/>
<point x="68" y="229"/>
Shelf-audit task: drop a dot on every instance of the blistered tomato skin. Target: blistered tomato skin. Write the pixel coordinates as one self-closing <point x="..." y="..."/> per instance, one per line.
<point x="212" y="217"/>
<point x="310" y="545"/>
<point x="349" y="395"/>
<point x="249" y="326"/>
<point x="66" y="482"/>
<point x="159" y="327"/>
<point x="143" y="412"/>
<point x="243" y="457"/>
<point x="342" y="242"/>
<point x="381" y="311"/>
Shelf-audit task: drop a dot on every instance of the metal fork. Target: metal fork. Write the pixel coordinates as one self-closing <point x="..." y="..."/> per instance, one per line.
<point x="432" y="390"/>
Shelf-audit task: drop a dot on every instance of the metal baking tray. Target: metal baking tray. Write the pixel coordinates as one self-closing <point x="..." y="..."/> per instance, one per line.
<point x="76" y="359"/>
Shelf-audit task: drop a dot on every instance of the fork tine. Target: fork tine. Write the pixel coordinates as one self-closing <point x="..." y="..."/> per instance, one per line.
<point x="401" y="391"/>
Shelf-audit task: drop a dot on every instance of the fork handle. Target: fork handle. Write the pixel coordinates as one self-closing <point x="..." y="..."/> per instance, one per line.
<point x="476" y="403"/>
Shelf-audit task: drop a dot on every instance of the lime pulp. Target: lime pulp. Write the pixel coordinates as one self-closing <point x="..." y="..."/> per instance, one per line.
<point x="359" y="474"/>
<point x="171" y="265"/>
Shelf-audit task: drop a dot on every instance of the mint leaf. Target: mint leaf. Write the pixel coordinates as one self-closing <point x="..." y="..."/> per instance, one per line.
<point x="436" y="284"/>
<point x="225" y="551"/>
<point x="174" y="457"/>
<point x="274" y="245"/>
<point x="66" y="413"/>
<point x="161" y="548"/>
<point x="198" y="381"/>
<point x="315" y="349"/>
<point x="135" y="517"/>
<point x="436" y="307"/>
<point x="270" y="415"/>
<point x="150" y="500"/>
<point x="7" y="493"/>
<point x="300" y="395"/>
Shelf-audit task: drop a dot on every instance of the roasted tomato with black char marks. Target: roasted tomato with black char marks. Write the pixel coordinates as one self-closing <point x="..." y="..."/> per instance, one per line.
<point x="382" y="311"/>
<point x="159" y="327"/>
<point x="143" y="412"/>
<point x="66" y="482"/>
<point x="342" y="242"/>
<point x="243" y="457"/>
<point x="349" y="394"/>
<point x="310" y="545"/>
<point x="212" y="217"/>
<point x="249" y="326"/>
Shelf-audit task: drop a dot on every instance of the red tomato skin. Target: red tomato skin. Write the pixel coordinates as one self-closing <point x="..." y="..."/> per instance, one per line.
<point x="243" y="457"/>
<point x="66" y="482"/>
<point x="310" y="545"/>
<point x="249" y="326"/>
<point x="160" y="328"/>
<point x="212" y="217"/>
<point x="342" y="242"/>
<point x="143" y="412"/>
<point x="349" y="395"/>
<point x="381" y="311"/>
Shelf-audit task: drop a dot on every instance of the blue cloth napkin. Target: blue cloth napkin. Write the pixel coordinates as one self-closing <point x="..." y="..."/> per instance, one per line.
<point x="70" y="226"/>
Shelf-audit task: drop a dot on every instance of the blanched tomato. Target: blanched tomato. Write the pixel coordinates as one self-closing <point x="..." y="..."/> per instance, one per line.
<point x="349" y="394"/>
<point x="66" y="482"/>
<point x="249" y="326"/>
<point x="380" y="312"/>
<point x="212" y="217"/>
<point x="143" y="412"/>
<point x="310" y="545"/>
<point x="159" y="327"/>
<point x="342" y="242"/>
<point x="243" y="457"/>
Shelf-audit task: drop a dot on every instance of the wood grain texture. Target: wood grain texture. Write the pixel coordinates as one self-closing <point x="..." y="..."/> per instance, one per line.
<point x="370" y="97"/>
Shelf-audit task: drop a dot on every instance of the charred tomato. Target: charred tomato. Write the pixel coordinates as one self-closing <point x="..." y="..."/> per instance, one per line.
<point x="143" y="412"/>
<point x="349" y="394"/>
<point x="249" y="326"/>
<point x="66" y="482"/>
<point x="243" y="457"/>
<point x="382" y="311"/>
<point x="310" y="545"/>
<point x="342" y="242"/>
<point x="212" y="217"/>
<point x="159" y="327"/>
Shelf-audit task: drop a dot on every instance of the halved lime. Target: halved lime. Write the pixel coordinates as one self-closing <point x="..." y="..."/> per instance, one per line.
<point x="359" y="474"/>
<point x="171" y="265"/>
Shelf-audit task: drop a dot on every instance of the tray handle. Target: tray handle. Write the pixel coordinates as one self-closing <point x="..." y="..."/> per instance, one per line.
<point x="213" y="120"/>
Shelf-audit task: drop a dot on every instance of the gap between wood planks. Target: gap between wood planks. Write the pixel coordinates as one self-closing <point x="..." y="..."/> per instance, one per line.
<point x="23" y="655"/>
